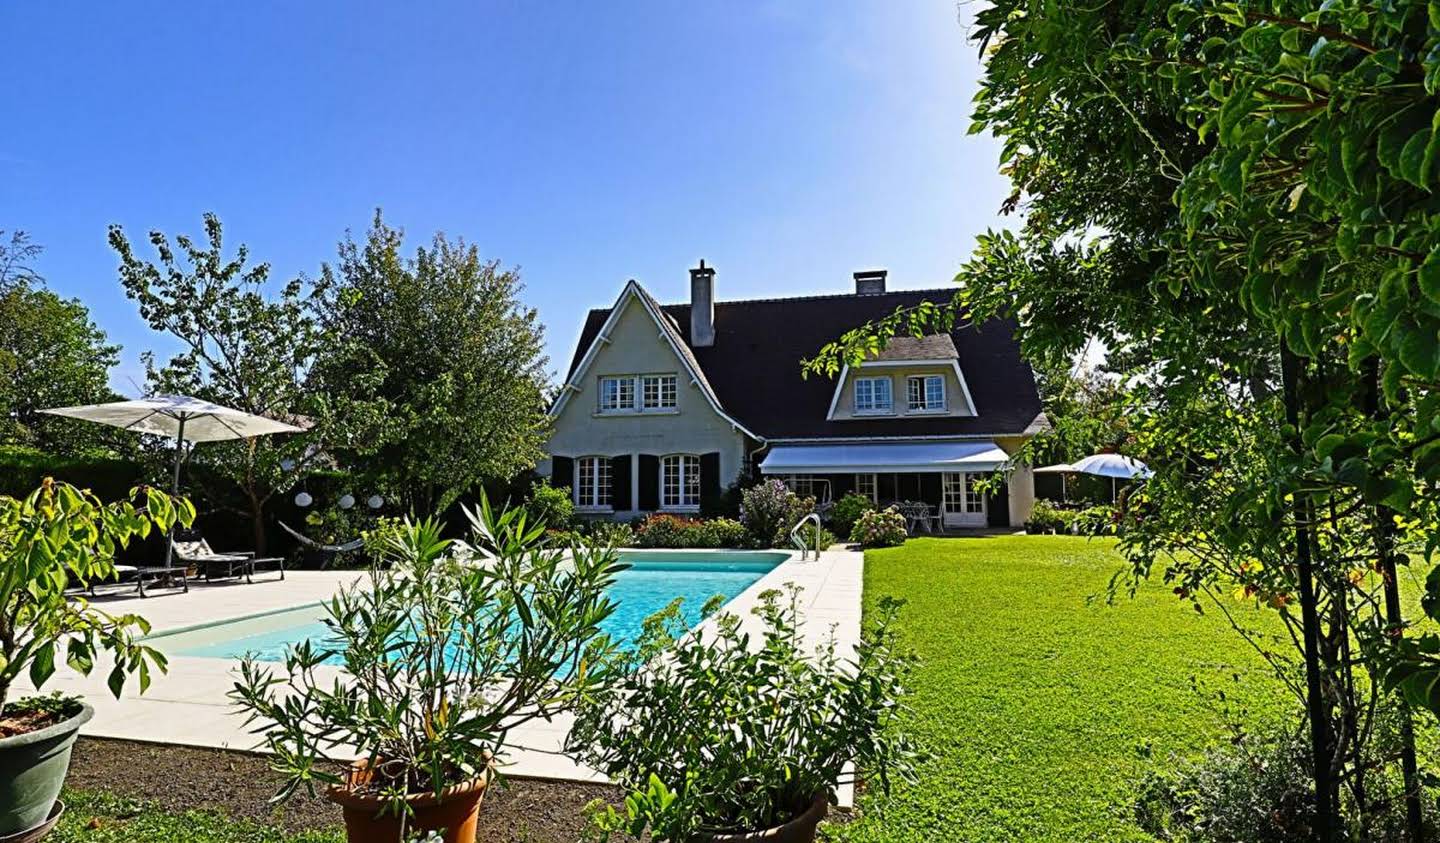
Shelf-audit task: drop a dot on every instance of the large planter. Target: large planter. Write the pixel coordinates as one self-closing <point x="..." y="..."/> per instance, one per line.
<point x="454" y="812"/>
<point x="799" y="830"/>
<point x="32" y="771"/>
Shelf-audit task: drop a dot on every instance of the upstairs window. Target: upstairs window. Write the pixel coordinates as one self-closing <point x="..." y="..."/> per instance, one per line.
<point x="617" y="395"/>
<point x="657" y="392"/>
<point x="680" y="481"/>
<point x="925" y="393"/>
<point x="592" y="483"/>
<point x="872" y="395"/>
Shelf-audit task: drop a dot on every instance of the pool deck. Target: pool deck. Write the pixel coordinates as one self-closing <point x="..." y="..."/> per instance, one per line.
<point x="188" y="705"/>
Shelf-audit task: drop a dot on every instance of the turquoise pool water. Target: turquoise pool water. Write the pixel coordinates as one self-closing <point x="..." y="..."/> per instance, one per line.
<point x="655" y="578"/>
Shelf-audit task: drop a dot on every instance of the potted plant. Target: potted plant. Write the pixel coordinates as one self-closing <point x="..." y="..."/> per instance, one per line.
<point x="443" y="651"/>
<point x="55" y="537"/>
<point x="719" y="737"/>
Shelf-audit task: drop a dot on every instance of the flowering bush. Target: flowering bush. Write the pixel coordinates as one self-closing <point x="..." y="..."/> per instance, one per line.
<point x="769" y="510"/>
<point x="1045" y="517"/>
<point x="723" y="532"/>
<point x="879" y="528"/>
<point x="664" y="530"/>
<point x="847" y="511"/>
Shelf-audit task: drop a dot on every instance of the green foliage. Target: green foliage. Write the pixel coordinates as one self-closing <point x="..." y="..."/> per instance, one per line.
<point x="433" y="371"/>
<point x="1030" y="698"/>
<point x="769" y="510"/>
<point x="1096" y="521"/>
<point x="447" y="652"/>
<point x="57" y="536"/>
<point x="1256" y="787"/>
<point x="241" y="347"/>
<point x="807" y="536"/>
<point x="665" y="530"/>
<point x="723" y="733"/>
<point x="879" y="528"/>
<point x="847" y="511"/>
<point x="1045" y="517"/>
<point x="51" y="355"/>
<point x="550" y="505"/>
<point x="98" y="817"/>
<point x="23" y="469"/>
<point x="609" y="533"/>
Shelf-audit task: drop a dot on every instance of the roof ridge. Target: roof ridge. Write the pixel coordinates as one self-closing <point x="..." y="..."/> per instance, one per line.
<point x="816" y="296"/>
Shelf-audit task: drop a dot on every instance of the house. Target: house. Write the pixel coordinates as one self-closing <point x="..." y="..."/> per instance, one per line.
<point x="665" y="405"/>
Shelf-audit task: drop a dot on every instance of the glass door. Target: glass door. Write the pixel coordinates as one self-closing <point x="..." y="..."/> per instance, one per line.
<point x="964" y="504"/>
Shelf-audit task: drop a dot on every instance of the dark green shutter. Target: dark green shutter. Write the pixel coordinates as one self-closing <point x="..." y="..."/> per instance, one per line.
<point x="710" y="489"/>
<point x="562" y="472"/>
<point x="620" y="481"/>
<point x="649" y="482"/>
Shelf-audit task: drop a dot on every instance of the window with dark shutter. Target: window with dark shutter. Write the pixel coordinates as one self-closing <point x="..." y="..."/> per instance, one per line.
<point x="649" y="482"/>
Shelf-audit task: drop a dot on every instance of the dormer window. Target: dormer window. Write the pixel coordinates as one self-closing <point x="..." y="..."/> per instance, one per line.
<point x="872" y="395"/>
<point x="925" y="393"/>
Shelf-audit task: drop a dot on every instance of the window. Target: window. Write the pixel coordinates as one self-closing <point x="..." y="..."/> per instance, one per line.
<point x="808" y="486"/>
<point x="865" y="485"/>
<point x="657" y="392"/>
<point x="872" y="395"/>
<point x="592" y="482"/>
<point x="679" y="481"/>
<point x="925" y="393"/>
<point x="617" y="394"/>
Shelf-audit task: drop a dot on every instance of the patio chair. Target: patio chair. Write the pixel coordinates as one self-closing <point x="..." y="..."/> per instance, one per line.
<point x="191" y="548"/>
<point x="166" y="576"/>
<point x="918" y="515"/>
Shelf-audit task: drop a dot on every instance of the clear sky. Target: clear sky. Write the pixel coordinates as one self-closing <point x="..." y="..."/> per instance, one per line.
<point x="787" y="143"/>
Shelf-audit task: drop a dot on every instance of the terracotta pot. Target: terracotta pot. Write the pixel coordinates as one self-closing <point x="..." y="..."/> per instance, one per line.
<point x="453" y="812"/>
<point x="799" y="830"/>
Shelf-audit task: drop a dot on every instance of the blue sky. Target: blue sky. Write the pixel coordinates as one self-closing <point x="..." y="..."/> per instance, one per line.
<point x="787" y="143"/>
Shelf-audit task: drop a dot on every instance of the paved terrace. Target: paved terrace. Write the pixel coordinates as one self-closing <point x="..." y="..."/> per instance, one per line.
<point x="188" y="705"/>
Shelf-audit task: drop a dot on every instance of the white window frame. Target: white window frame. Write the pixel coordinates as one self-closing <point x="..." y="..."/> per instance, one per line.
<point x="621" y="382"/>
<point x="871" y="480"/>
<point x="667" y="393"/>
<point x="593" y="494"/>
<point x="875" y="408"/>
<point x="686" y="488"/>
<point x="924" y="405"/>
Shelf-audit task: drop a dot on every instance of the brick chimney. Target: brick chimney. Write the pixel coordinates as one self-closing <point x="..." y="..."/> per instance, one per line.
<point x="870" y="282"/>
<point x="702" y="305"/>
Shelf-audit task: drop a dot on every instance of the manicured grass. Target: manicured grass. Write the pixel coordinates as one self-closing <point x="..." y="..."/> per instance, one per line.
<point x="1036" y="702"/>
<point x="92" y="817"/>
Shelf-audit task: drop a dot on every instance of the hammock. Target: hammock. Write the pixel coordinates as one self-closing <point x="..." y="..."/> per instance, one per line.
<point x="347" y="547"/>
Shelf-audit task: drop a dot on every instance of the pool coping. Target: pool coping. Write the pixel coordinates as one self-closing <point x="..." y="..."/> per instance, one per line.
<point x="189" y="706"/>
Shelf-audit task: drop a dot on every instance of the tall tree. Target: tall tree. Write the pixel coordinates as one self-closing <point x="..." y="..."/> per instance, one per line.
<point x="51" y="355"/>
<point x="242" y="345"/>
<point x="434" y="370"/>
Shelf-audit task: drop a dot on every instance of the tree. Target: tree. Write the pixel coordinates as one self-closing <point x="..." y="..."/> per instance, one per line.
<point x="51" y="355"/>
<point x="241" y="347"/>
<point x="433" y="364"/>
<point x="1261" y="177"/>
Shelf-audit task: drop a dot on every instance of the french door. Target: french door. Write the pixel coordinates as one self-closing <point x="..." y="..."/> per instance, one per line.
<point x="963" y="504"/>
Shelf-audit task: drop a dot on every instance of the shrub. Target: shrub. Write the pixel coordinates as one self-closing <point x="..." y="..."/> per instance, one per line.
<point x="724" y="532"/>
<point x="608" y="533"/>
<point x="1048" y="518"/>
<point x="1256" y="788"/>
<point x="807" y="535"/>
<point x="728" y="735"/>
<point x="726" y="504"/>
<point x="847" y="511"/>
<point x="769" y="510"/>
<point x="1094" y="521"/>
<point x="550" y="505"/>
<point x="879" y="528"/>
<point x="442" y="658"/>
<point x="665" y="530"/>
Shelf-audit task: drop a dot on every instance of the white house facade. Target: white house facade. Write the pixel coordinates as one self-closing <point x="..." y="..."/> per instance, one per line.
<point x="665" y="406"/>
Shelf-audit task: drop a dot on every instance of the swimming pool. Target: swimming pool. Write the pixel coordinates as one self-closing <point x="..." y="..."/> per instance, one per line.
<point x="655" y="578"/>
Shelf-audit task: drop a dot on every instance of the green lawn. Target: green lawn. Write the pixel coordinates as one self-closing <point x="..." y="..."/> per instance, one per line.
<point x="1034" y="701"/>
<point x="101" y="818"/>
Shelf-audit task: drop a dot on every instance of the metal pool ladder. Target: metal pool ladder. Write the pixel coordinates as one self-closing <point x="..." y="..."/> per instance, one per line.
<point x="799" y="540"/>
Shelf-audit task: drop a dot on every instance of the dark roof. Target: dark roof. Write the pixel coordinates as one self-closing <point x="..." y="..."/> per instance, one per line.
<point x="754" y="366"/>
<point x="932" y="347"/>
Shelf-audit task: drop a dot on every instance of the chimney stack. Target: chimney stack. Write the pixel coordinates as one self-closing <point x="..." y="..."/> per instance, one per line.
<point x="702" y="306"/>
<point x="870" y="282"/>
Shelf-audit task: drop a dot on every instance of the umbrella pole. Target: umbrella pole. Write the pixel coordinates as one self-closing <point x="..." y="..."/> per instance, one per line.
<point x="175" y="488"/>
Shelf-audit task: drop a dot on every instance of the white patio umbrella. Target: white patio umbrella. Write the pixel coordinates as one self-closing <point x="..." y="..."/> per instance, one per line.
<point x="1062" y="469"/>
<point x="181" y="418"/>
<point x="1114" y="466"/>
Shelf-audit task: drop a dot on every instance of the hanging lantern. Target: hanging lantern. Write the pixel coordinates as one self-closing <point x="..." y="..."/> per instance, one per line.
<point x="375" y="502"/>
<point x="287" y="464"/>
<point x="347" y="501"/>
<point x="303" y="500"/>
